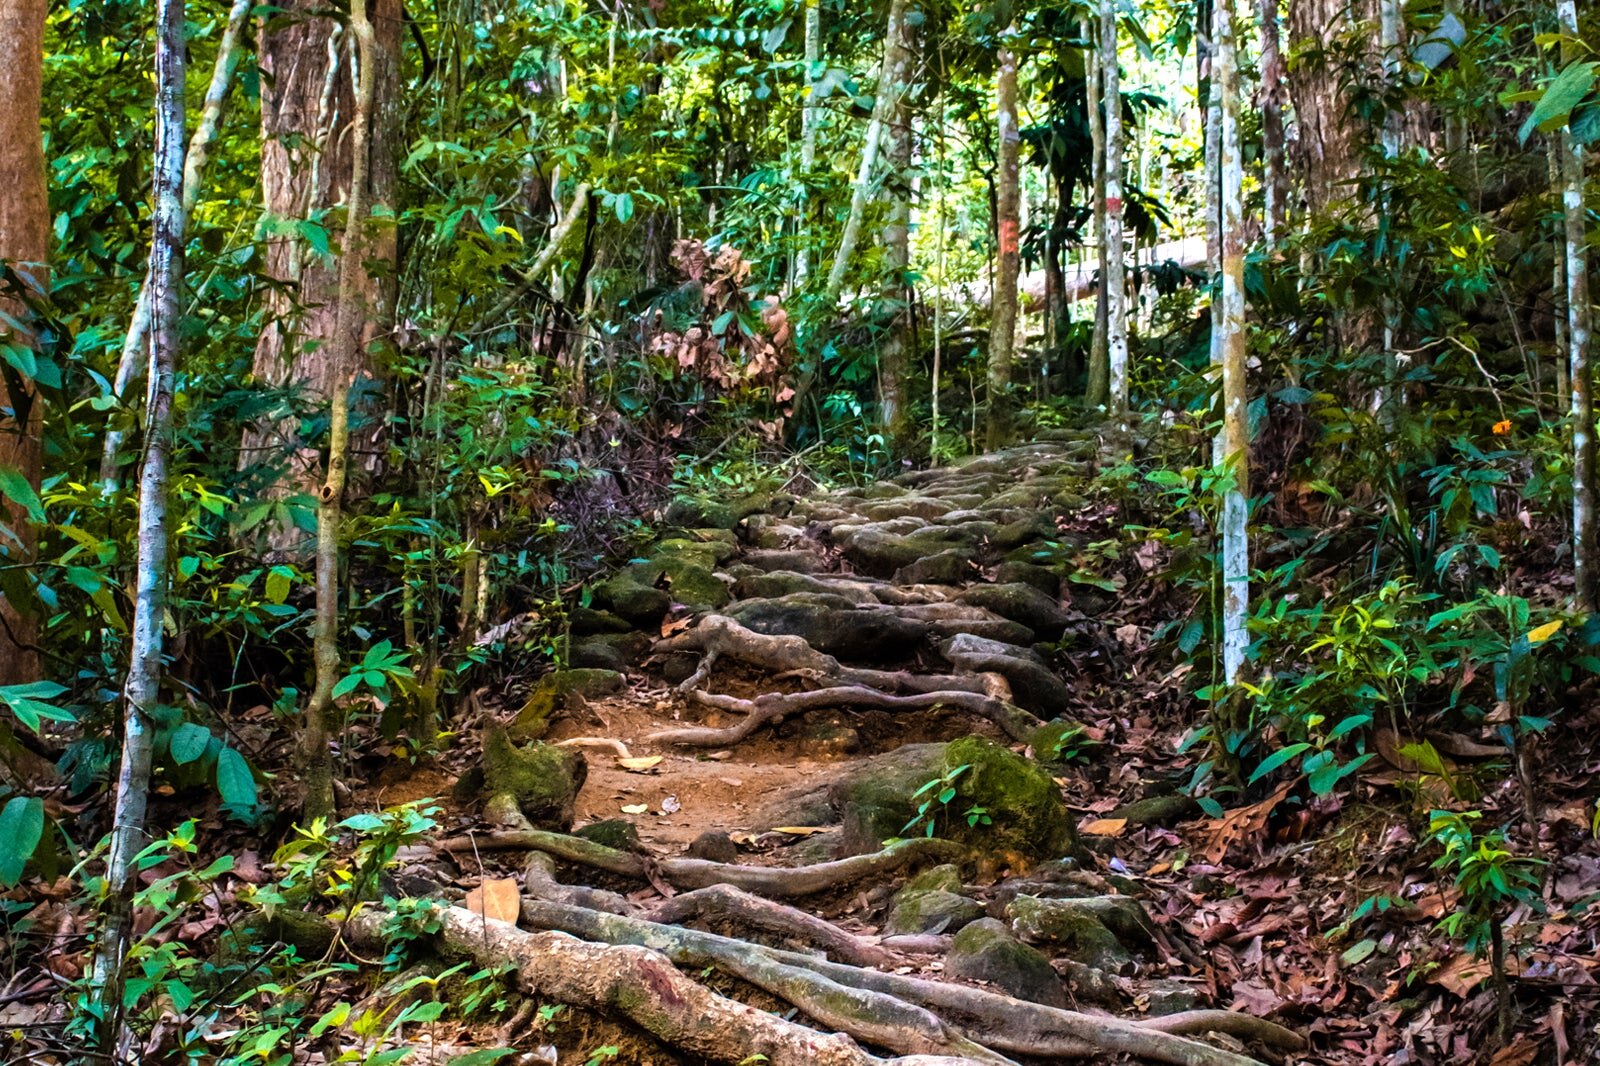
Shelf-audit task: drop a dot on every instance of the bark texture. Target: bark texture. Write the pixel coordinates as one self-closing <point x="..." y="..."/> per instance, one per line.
<point x="1115" y="277"/>
<point x="307" y="162"/>
<point x="894" y="358"/>
<point x="1328" y="143"/>
<point x="1008" y="259"/>
<point x="1580" y="328"/>
<point x="1234" y="447"/>
<point x="24" y="250"/>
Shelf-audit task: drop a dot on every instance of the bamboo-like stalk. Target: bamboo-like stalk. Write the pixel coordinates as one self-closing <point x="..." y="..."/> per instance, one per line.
<point x="1235" y="432"/>
<point x="1097" y="390"/>
<point x="1114" y="279"/>
<point x="1580" y="327"/>
<point x="130" y="364"/>
<point x="142" y="689"/>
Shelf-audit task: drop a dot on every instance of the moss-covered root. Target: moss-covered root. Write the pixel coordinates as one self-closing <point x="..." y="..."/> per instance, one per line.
<point x="999" y="1022"/>
<point x="724" y="903"/>
<point x="643" y="987"/>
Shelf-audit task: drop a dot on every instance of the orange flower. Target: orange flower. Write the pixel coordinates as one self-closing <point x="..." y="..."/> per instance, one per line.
<point x="1502" y="427"/>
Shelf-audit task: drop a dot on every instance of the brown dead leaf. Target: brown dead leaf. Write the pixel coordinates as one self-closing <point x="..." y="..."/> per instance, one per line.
<point x="670" y="626"/>
<point x="1104" y="827"/>
<point x="496" y="898"/>
<point x="1242" y="823"/>
<point x="640" y="763"/>
<point x="1464" y="972"/>
<point x="799" y="830"/>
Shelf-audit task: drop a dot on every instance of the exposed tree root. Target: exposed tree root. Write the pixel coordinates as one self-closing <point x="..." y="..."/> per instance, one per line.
<point x="717" y="636"/>
<point x="1015" y="722"/>
<point x="995" y="1021"/>
<point x="773" y="881"/>
<point x="611" y="744"/>
<point x="539" y="879"/>
<point x="640" y="985"/>
<point x="726" y="903"/>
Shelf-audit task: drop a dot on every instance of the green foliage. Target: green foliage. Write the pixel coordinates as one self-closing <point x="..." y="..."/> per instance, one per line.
<point x="1488" y="874"/>
<point x="941" y="792"/>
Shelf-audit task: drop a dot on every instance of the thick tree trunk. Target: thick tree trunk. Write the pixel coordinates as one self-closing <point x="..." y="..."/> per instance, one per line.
<point x="894" y="358"/>
<point x="1329" y="143"/>
<point x="24" y="250"/>
<point x="1097" y="390"/>
<point x="1235" y="443"/>
<point x="307" y="162"/>
<point x="143" y="687"/>
<point x="1115" y="280"/>
<point x="1274" y="179"/>
<point x="1008" y="229"/>
<point x="1580" y="327"/>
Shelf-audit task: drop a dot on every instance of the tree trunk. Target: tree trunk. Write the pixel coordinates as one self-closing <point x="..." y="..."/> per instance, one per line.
<point x="143" y="687"/>
<point x="1329" y="144"/>
<point x="1580" y="325"/>
<point x="307" y="163"/>
<point x="1235" y="444"/>
<point x="1274" y="179"/>
<point x="345" y="357"/>
<point x="1097" y="390"/>
<point x="1211" y="104"/>
<point x="810" y="120"/>
<point x="894" y="358"/>
<point x="25" y="249"/>
<point x="1115" y="280"/>
<point x="1008" y="230"/>
<point x="131" y="364"/>
<point x="1387" y="397"/>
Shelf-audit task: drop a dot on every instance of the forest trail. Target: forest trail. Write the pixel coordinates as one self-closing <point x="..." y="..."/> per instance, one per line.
<point x="952" y="675"/>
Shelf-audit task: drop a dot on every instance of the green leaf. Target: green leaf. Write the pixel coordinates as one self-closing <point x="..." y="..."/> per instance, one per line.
<point x="485" y="1057"/>
<point x="1359" y="951"/>
<point x="235" y="782"/>
<point x="1562" y="95"/>
<point x="19" y="491"/>
<point x="279" y="580"/>
<point x="21" y="829"/>
<point x="347" y="685"/>
<point x="189" y="742"/>
<point x="1277" y="759"/>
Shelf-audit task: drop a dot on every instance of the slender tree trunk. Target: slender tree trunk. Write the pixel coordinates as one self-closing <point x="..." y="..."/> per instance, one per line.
<point x="1274" y="179"/>
<point x="1211" y="104"/>
<point x="882" y="113"/>
<point x="143" y="687"/>
<point x="810" y="120"/>
<point x="307" y="161"/>
<point x="25" y="248"/>
<point x="1008" y="231"/>
<point x="1580" y="325"/>
<point x="1115" y="280"/>
<point x="1558" y="289"/>
<point x="882" y="109"/>
<point x="351" y="312"/>
<point x="894" y="358"/>
<point x="131" y="364"/>
<point x="1386" y="397"/>
<point x="1235" y="422"/>
<point x="1097" y="390"/>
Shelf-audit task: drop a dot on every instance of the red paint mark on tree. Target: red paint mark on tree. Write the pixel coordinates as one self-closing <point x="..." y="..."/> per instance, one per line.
<point x="1010" y="234"/>
<point x="1113" y="204"/>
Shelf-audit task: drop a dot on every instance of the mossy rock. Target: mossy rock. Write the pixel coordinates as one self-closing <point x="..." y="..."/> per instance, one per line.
<point x="1160" y="811"/>
<point x="643" y="592"/>
<point x="1022" y="603"/>
<point x="1078" y="931"/>
<point x="936" y="911"/>
<point x="1028" y="819"/>
<point x="1042" y="578"/>
<point x="986" y="951"/>
<point x="642" y="605"/>
<point x="586" y="621"/>
<point x="953" y="566"/>
<point x="706" y="553"/>
<point x="540" y="782"/>
<point x="616" y="833"/>
<point x="1054" y="742"/>
<point x="696" y="512"/>
<point x="554" y="692"/>
<point x="309" y="933"/>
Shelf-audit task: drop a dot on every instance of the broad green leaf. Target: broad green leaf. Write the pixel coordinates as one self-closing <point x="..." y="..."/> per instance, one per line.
<point x="19" y="491"/>
<point x="1562" y="95"/>
<point x="21" y="829"/>
<point x="235" y="783"/>
<point x="189" y="742"/>
<point x="1277" y="759"/>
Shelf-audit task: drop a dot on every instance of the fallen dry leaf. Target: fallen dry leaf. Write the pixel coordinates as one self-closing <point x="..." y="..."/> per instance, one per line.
<point x="1104" y="827"/>
<point x="496" y="898"/>
<point x="799" y="830"/>
<point x="640" y="762"/>
<point x="635" y="808"/>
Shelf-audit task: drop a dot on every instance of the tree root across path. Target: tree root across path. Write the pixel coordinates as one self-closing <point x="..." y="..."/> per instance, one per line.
<point x="997" y="1022"/>
<point x="1015" y="722"/>
<point x="773" y="881"/>
<point x="640" y="985"/>
<point x="726" y="903"/>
